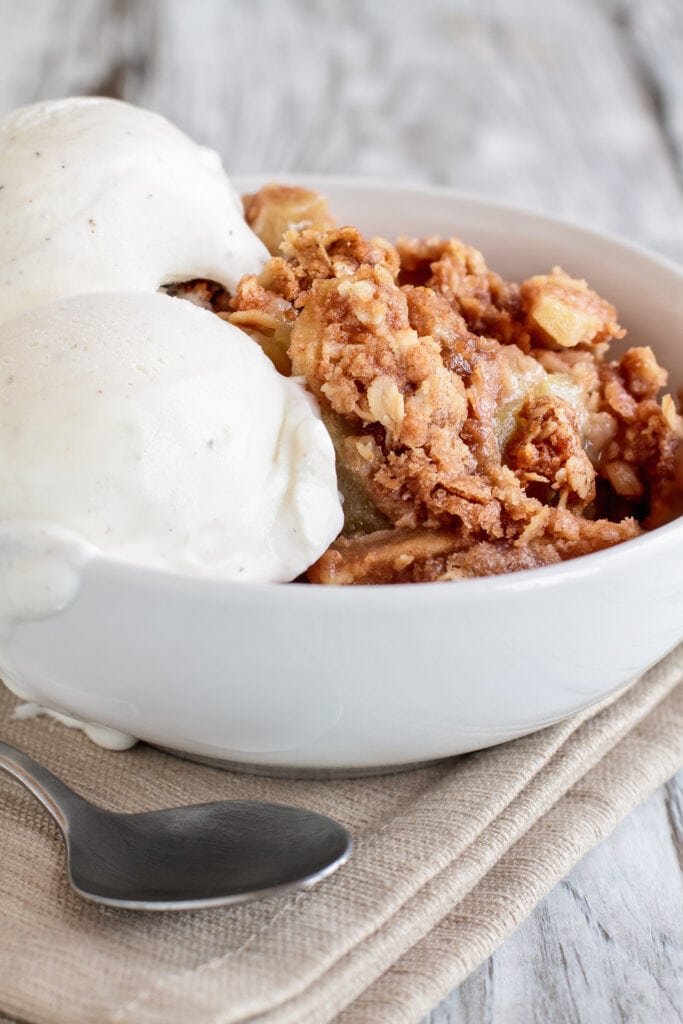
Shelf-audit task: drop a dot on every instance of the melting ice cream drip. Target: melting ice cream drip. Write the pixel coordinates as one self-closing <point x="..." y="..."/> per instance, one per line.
<point x="41" y="566"/>
<point x="102" y="735"/>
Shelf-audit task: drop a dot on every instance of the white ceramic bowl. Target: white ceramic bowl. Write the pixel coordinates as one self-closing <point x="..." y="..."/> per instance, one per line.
<point x="297" y="677"/>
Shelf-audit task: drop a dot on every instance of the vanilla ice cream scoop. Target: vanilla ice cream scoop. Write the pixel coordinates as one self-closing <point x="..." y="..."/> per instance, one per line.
<point x="163" y="436"/>
<point x="98" y="195"/>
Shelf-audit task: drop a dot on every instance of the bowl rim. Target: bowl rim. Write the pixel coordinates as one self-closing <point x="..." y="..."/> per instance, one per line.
<point x="582" y="567"/>
<point x="470" y="198"/>
<point x="579" y="567"/>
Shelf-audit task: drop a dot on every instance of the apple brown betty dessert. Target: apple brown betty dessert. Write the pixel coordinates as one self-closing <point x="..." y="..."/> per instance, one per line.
<point x="479" y="425"/>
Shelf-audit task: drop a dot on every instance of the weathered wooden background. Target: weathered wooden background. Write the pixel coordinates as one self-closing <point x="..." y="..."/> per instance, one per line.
<point x="570" y="105"/>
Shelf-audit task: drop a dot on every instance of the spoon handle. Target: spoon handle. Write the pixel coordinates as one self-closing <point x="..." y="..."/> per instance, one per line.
<point x="59" y="800"/>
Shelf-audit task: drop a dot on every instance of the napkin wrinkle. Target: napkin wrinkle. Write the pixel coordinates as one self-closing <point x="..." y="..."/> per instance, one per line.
<point x="448" y="859"/>
<point x="564" y="729"/>
<point x="563" y="734"/>
<point x="214" y="963"/>
<point x="482" y="854"/>
<point x="465" y="938"/>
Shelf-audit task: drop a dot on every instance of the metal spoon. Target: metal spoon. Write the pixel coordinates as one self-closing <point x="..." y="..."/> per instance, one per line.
<point x="184" y="858"/>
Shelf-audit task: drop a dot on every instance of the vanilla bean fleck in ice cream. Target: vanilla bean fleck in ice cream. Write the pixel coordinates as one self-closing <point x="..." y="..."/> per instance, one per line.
<point x="98" y="195"/>
<point x="162" y="436"/>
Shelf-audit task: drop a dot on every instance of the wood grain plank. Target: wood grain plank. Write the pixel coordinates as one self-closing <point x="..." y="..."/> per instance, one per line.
<point x="102" y="47"/>
<point x="653" y="35"/>
<point x="24" y="43"/>
<point x="534" y="102"/>
<point x="674" y="809"/>
<point x="606" y="945"/>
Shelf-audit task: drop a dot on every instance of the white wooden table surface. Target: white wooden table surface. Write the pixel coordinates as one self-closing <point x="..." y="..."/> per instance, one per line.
<point x="569" y="105"/>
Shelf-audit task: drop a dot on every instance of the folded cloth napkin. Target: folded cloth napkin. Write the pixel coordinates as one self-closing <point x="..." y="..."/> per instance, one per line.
<point x="448" y="860"/>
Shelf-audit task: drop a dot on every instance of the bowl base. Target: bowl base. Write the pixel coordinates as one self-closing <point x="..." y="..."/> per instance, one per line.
<point x="311" y="774"/>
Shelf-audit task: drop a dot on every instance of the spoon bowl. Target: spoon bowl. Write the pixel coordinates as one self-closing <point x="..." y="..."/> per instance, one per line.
<point x="184" y="858"/>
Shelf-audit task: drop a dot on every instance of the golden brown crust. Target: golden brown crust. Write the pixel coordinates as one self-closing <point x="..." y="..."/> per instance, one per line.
<point x="207" y="294"/>
<point x="642" y="459"/>
<point x="427" y="556"/>
<point x="473" y="416"/>
<point x="560" y="311"/>
<point x="458" y="272"/>
<point x="387" y="556"/>
<point x="275" y="209"/>
<point x="546" y="449"/>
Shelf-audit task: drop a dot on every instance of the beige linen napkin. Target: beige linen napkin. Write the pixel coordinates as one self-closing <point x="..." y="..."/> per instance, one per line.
<point x="448" y="860"/>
